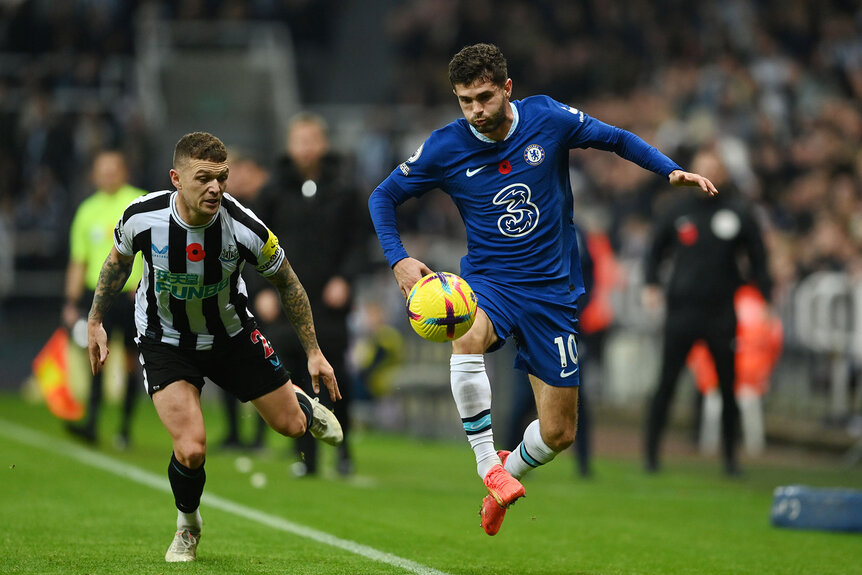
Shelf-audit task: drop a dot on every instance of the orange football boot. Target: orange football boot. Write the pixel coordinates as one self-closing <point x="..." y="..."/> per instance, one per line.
<point x="503" y="491"/>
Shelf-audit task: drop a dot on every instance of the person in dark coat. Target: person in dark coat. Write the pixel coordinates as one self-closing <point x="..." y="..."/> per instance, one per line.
<point x="316" y="210"/>
<point x="706" y="236"/>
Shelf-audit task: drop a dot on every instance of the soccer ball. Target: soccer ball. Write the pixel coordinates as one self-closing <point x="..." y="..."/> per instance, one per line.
<point x="441" y="307"/>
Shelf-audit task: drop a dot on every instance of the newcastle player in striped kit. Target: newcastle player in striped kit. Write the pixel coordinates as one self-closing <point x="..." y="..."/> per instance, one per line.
<point x="192" y="320"/>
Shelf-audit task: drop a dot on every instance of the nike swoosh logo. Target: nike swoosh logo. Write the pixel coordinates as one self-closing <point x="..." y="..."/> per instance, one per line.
<point x="471" y="173"/>
<point x="564" y="374"/>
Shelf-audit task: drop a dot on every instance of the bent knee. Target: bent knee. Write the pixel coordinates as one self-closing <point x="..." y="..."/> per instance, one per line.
<point x="560" y="440"/>
<point x="468" y="344"/>
<point x="478" y="338"/>
<point x="192" y="454"/>
<point x="290" y="426"/>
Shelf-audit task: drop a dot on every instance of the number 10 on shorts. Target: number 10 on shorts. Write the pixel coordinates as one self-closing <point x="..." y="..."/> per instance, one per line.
<point x="568" y="354"/>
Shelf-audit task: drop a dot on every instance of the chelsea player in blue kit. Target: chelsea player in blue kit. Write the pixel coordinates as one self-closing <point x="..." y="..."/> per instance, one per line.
<point x="506" y="165"/>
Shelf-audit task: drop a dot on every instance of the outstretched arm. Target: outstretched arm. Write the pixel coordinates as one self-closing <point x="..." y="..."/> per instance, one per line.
<point x="296" y="306"/>
<point x="115" y="272"/>
<point x="597" y="134"/>
<point x="681" y="178"/>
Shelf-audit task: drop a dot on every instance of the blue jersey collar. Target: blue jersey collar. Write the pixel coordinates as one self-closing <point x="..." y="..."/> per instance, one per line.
<point x="485" y="138"/>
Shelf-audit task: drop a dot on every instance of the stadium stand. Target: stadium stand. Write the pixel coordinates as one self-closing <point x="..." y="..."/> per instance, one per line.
<point x="776" y="84"/>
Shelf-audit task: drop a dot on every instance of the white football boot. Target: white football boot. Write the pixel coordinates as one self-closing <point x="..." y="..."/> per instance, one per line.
<point x="184" y="547"/>
<point x="324" y="424"/>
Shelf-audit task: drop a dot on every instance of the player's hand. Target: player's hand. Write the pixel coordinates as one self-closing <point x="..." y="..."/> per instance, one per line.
<point x="409" y="271"/>
<point x="97" y="345"/>
<point x="319" y="369"/>
<point x="680" y="178"/>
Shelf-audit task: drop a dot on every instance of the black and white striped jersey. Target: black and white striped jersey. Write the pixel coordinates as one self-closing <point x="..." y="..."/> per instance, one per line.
<point x="192" y="294"/>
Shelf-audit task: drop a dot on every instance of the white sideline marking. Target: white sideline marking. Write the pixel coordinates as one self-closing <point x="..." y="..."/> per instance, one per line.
<point x="103" y="462"/>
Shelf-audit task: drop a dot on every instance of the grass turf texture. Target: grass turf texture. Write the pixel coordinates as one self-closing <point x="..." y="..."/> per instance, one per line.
<point x="416" y="500"/>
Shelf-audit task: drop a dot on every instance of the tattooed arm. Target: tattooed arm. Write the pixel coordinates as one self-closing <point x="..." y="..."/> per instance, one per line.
<point x="295" y="303"/>
<point x="115" y="271"/>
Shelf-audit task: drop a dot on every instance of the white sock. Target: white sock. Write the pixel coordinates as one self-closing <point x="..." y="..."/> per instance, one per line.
<point x="530" y="453"/>
<point x="472" y="392"/>
<point x="190" y="521"/>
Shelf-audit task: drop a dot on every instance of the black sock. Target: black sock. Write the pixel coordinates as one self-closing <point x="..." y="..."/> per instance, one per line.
<point x="187" y="485"/>
<point x="306" y="406"/>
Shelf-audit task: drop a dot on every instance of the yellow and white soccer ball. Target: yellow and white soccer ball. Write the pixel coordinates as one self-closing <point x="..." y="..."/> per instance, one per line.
<point x="441" y="307"/>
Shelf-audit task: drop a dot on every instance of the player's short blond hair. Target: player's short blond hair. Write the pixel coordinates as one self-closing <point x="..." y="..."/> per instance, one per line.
<point x="199" y="146"/>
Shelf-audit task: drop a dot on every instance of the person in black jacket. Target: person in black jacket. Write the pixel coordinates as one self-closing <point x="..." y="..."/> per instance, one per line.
<point x="315" y="209"/>
<point x="706" y="236"/>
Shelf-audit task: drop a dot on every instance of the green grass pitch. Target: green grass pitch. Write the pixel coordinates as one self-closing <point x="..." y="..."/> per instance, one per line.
<point x="412" y="507"/>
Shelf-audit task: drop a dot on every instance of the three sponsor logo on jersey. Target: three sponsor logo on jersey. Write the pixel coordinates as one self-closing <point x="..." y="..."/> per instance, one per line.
<point x="521" y="214"/>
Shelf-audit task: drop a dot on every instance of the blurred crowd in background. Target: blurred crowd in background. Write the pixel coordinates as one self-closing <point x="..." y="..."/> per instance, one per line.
<point x="774" y="85"/>
<point x="777" y="85"/>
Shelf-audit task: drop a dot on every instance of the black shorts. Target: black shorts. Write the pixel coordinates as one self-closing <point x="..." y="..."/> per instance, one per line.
<point x="246" y="366"/>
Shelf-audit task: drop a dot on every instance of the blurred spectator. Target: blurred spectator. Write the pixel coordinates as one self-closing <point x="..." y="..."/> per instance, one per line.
<point x="91" y="240"/>
<point x="705" y="237"/>
<point x="9" y="152"/>
<point x="316" y="211"/>
<point x="757" y="347"/>
<point x="41" y="221"/>
<point x="378" y="353"/>
<point x="45" y="139"/>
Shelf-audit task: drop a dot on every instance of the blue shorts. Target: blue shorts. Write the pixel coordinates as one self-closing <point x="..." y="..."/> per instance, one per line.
<point x="542" y="322"/>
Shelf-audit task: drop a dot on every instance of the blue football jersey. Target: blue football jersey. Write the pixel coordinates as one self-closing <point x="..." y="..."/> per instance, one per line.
<point x="514" y="195"/>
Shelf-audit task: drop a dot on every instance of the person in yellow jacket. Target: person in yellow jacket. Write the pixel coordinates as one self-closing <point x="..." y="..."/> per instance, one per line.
<point x="90" y="239"/>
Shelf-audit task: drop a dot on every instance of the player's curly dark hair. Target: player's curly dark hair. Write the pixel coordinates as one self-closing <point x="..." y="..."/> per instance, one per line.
<point x="478" y="62"/>
<point x="200" y="146"/>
